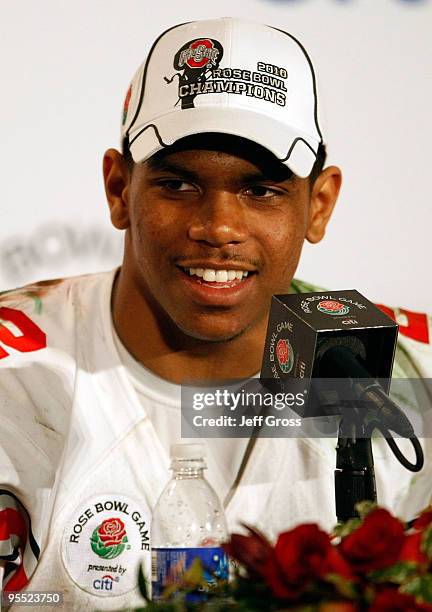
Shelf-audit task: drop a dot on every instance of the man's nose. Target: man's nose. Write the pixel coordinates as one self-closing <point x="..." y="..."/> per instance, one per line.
<point x="220" y="219"/>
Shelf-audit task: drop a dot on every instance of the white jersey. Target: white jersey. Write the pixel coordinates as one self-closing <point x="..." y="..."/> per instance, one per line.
<point x="82" y="464"/>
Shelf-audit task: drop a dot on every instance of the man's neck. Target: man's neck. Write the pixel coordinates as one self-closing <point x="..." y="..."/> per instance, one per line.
<point x="154" y="340"/>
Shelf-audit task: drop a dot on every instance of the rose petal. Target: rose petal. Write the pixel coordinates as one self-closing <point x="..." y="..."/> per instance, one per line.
<point x="376" y="544"/>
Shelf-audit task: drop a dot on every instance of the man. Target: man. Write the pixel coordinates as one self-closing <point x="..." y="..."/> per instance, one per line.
<point x="220" y="181"/>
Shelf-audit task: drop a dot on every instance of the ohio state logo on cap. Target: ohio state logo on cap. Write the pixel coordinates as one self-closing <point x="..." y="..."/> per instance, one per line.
<point x="198" y="54"/>
<point x="195" y="62"/>
<point x="331" y="307"/>
<point x="285" y="355"/>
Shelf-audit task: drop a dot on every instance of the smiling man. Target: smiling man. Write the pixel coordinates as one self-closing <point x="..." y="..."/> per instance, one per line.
<point x="215" y="227"/>
<point x="220" y="181"/>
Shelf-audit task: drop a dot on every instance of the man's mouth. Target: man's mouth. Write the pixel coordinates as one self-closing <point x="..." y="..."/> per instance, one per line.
<point x="223" y="287"/>
<point x="211" y="275"/>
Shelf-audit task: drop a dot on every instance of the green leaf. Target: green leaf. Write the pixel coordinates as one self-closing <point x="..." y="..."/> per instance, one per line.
<point x="420" y="587"/>
<point x="397" y="573"/>
<point x="364" y="507"/>
<point x="344" y="587"/>
<point x="142" y="583"/>
<point x="343" y="529"/>
<point x="426" y="542"/>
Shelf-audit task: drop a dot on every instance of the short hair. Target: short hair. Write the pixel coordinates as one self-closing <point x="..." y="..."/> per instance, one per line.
<point x="229" y="143"/>
<point x="319" y="162"/>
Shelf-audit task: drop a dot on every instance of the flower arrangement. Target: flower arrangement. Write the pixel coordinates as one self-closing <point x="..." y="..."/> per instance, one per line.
<point x="374" y="562"/>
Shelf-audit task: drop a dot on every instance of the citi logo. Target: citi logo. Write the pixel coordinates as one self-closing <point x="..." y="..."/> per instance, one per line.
<point x="105" y="583"/>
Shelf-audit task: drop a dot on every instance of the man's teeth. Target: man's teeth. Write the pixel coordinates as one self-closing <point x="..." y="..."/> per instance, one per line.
<point x="217" y="276"/>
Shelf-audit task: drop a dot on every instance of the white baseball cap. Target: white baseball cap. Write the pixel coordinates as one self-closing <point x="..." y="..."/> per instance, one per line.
<point x="229" y="76"/>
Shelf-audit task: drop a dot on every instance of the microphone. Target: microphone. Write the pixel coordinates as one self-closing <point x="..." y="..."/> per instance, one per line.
<point x="343" y="361"/>
<point x="345" y="344"/>
<point x="339" y="335"/>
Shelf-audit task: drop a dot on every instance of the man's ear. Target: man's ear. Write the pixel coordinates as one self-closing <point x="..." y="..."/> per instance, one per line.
<point x="116" y="178"/>
<point x="323" y="198"/>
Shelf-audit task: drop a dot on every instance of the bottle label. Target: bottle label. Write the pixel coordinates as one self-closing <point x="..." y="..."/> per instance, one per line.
<point x="169" y="565"/>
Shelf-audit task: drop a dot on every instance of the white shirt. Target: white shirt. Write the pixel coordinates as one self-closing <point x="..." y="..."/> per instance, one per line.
<point x="224" y="455"/>
<point x="84" y="439"/>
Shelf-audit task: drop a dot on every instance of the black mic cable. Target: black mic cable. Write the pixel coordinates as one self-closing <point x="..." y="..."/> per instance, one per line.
<point x="341" y="360"/>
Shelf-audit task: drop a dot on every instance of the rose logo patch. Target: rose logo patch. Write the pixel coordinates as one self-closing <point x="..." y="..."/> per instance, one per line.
<point x="109" y="539"/>
<point x="105" y="541"/>
<point x="331" y="307"/>
<point x="126" y="104"/>
<point x="285" y="355"/>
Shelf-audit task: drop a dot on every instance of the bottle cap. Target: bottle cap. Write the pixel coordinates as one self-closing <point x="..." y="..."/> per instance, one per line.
<point x="187" y="451"/>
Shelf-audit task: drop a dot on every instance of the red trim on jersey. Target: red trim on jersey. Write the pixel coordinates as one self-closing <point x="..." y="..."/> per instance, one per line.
<point x="417" y="327"/>
<point x="18" y="580"/>
<point x="12" y="523"/>
<point x="32" y="338"/>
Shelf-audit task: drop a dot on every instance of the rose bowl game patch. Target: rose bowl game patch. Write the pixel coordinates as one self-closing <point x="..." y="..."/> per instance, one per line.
<point x="105" y="541"/>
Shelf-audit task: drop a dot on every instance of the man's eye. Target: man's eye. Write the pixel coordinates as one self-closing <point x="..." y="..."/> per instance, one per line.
<point x="261" y="191"/>
<point x="176" y="185"/>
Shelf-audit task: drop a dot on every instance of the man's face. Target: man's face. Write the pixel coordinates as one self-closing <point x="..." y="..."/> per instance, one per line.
<point x="211" y="238"/>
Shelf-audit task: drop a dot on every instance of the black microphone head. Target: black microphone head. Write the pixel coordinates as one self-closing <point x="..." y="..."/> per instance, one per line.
<point x="304" y="327"/>
<point x="350" y="342"/>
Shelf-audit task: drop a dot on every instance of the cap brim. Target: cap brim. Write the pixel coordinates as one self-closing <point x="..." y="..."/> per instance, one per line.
<point x="292" y="147"/>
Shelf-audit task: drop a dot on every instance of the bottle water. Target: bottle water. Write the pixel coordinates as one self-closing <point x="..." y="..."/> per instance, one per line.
<point x="188" y="522"/>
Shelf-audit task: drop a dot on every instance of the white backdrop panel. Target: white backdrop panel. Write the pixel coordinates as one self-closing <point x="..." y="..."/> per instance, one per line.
<point x="65" y="68"/>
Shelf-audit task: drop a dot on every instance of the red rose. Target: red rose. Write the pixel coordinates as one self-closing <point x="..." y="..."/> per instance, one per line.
<point x="253" y="551"/>
<point x="338" y="606"/>
<point x="112" y="531"/>
<point x="299" y="557"/>
<point x="336" y="564"/>
<point x="411" y="549"/>
<point x="376" y="544"/>
<point x="302" y="553"/>
<point x="424" y="520"/>
<point x="127" y="99"/>
<point x="257" y="556"/>
<point x="306" y="553"/>
<point x="282" y="351"/>
<point x="390" y="600"/>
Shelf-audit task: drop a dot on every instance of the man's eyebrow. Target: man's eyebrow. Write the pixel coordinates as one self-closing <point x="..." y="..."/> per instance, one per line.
<point x="256" y="177"/>
<point x="161" y="165"/>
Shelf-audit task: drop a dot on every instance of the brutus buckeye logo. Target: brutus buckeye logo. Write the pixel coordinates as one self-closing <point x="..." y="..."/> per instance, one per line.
<point x="195" y="62"/>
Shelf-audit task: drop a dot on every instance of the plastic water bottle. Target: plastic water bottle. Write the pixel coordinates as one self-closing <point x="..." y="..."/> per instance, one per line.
<point x="188" y="522"/>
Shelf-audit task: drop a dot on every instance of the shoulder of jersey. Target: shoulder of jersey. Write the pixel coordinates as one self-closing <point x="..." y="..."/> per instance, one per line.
<point x="42" y="315"/>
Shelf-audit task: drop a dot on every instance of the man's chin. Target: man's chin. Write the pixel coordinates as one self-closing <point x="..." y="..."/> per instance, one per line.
<point x="214" y="334"/>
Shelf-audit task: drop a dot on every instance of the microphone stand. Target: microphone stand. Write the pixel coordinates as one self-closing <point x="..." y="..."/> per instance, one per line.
<point x="354" y="473"/>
